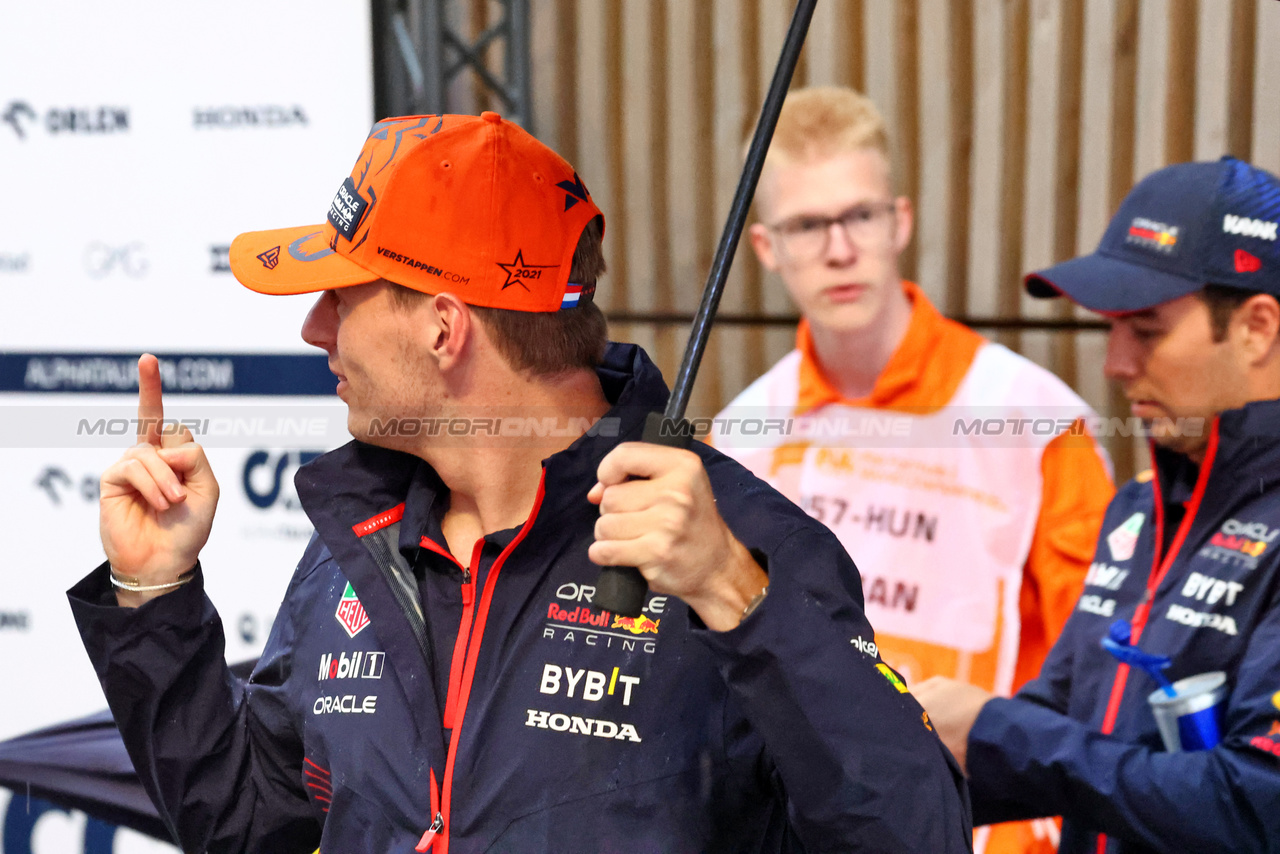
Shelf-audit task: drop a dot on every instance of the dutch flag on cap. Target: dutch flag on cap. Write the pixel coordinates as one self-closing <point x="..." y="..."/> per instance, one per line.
<point x="572" y="293"/>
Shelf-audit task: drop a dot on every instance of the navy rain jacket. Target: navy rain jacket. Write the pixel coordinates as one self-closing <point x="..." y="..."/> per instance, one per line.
<point x="401" y="691"/>
<point x="1200" y="584"/>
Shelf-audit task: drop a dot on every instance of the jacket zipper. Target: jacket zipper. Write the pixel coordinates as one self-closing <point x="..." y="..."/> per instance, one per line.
<point x="429" y="837"/>
<point x="1159" y="568"/>
<point x="464" y="636"/>
<point x="472" y="654"/>
<point x="435" y="831"/>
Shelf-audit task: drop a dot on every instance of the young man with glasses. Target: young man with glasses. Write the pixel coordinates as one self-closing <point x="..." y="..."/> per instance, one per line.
<point x="961" y="477"/>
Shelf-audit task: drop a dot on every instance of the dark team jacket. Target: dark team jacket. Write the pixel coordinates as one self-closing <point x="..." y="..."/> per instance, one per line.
<point x="547" y="726"/>
<point x="1200" y="583"/>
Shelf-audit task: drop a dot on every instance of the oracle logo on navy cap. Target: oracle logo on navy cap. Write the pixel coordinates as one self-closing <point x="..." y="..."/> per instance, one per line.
<point x="1179" y="229"/>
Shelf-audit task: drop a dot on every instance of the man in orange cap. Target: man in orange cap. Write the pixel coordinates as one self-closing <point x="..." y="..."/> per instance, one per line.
<point x="436" y="677"/>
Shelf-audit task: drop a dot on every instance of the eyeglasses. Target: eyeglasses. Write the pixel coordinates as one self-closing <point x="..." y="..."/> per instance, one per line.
<point x="806" y="237"/>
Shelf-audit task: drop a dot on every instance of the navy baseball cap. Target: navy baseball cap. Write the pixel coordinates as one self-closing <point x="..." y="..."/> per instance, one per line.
<point x="1181" y="228"/>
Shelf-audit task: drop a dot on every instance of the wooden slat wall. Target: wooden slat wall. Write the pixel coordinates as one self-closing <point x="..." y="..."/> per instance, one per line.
<point x="1018" y="126"/>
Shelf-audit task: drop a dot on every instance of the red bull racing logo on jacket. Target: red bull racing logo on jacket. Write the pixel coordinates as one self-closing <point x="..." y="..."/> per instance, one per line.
<point x="572" y="619"/>
<point x="350" y="613"/>
<point x="1240" y="543"/>
<point x="585" y="616"/>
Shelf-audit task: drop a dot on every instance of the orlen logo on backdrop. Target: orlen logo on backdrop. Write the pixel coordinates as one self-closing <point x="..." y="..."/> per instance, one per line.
<point x="24" y="120"/>
<point x="268" y="477"/>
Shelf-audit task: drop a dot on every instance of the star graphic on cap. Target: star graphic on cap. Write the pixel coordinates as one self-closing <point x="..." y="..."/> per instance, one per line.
<point x="575" y="191"/>
<point x="518" y="272"/>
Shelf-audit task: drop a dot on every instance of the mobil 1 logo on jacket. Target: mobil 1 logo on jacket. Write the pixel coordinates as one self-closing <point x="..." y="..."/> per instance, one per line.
<point x="348" y="679"/>
<point x="349" y="682"/>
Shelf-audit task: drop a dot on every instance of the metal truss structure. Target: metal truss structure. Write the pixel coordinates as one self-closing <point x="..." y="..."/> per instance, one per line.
<point x="424" y="49"/>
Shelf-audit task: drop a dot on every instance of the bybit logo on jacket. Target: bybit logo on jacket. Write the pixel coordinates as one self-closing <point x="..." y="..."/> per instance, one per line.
<point x="1210" y="590"/>
<point x="591" y="686"/>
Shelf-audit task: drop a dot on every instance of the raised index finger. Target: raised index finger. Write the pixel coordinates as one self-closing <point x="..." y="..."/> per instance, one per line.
<point x="150" y="404"/>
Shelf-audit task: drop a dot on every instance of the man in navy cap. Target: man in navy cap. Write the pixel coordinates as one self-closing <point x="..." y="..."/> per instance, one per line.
<point x="1188" y="561"/>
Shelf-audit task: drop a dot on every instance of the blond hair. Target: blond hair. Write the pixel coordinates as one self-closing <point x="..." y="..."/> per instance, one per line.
<point x="823" y="121"/>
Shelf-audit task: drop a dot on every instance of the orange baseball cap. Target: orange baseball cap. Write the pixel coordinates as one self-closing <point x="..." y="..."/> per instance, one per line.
<point x="472" y="205"/>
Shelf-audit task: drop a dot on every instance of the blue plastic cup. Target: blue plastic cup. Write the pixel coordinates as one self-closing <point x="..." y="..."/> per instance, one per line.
<point x="1192" y="720"/>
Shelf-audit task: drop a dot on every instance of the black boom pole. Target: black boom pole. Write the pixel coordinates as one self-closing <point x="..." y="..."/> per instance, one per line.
<point x="621" y="589"/>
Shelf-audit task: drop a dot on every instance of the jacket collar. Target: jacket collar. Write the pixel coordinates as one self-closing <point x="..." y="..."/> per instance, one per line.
<point x="1248" y="449"/>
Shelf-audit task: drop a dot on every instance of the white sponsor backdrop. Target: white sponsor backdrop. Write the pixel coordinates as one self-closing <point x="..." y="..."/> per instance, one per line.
<point x="138" y="138"/>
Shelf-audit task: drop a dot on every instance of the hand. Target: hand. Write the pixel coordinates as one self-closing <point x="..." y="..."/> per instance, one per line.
<point x="657" y="513"/>
<point x="158" y="500"/>
<point x="952" y="706"/>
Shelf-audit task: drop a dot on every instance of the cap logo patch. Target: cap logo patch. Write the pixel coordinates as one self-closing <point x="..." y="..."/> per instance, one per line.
<point x="1246" y="227"/>
<point x="520" y="273"/>
<point x="1150" y="234"/>
<point x="1246" y="263"/>
<point x="575" y="191"/>
<point x="270" y="258"/>
<point x="347" y="209"/>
